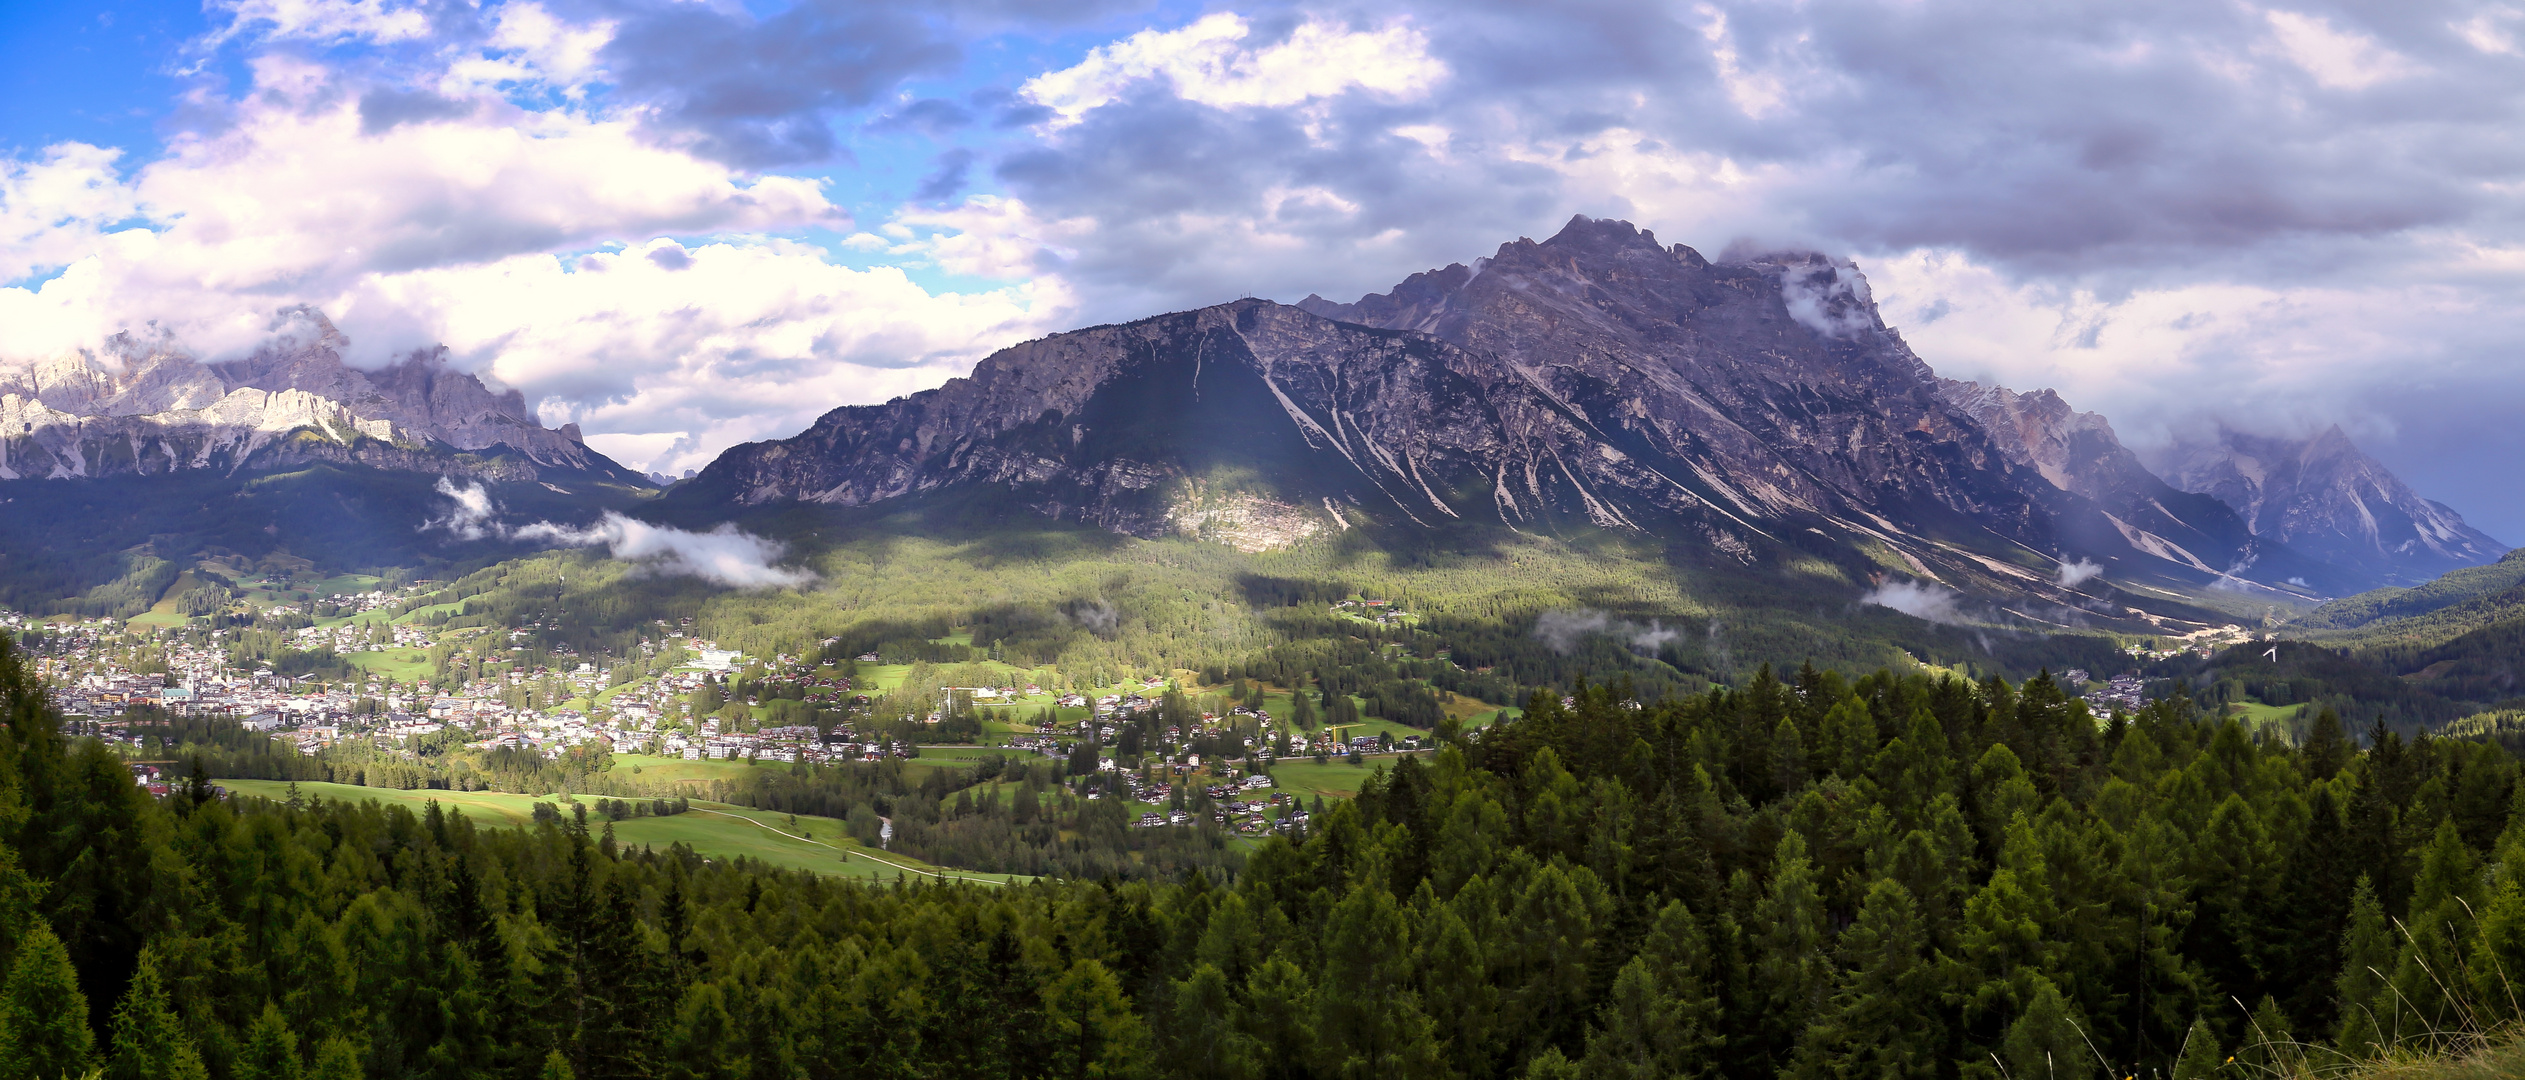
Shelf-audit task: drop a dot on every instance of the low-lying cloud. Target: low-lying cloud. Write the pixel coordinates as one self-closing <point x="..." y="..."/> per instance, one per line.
<point x="725" y="555"/>
<point x="2078" y="572"/>
<point x="1920" y="600"/>
<point x="471" y="516"/>
<point x="1096" y="616"/>
<point x="1562" y="630"/>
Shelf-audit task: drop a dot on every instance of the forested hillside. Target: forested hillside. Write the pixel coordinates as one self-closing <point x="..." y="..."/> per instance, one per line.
<point x="1892" y="877"/>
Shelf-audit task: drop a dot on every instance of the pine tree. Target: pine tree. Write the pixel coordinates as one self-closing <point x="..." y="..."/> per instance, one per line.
<point x="1790" y="965"/>
<point x="271" y="1049"/>
<point x="2367" y="950"/>
<point x="2269" y="1050"/>
<point x="1204" y="1039"/>
<point x="43" y="1016"/>
<point x="1883" y="1022"/>
<point x="149" y="1039"/>
<point x="1094" y="1032"/>
<point x="1642" y="1031"/>
<point x="1677" y="953"/>
<point x="336" y="1059"/>
<point x="1551" y="1064"/>
<point x="1279" y="1017"/>
<point x="2327" y="746"/>
<point x="2200" y="1059"/>
<point x="2438" y="934"/>
<point x="2048" y="1039"/>
<point x="1368" y="1022"/>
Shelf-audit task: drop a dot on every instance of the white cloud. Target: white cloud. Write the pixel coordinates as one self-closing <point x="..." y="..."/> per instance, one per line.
<point x="1209" y="62"/>
<point x="295" y="203"/>
<point x="2337" y="59"/>
<point x="748" y="340"/>
<point x="1919" y="600"/>
<point x="2159" y="359"/>
<point x="470" y="515"/>
<point x="324" y="21"/>
<point x="725" y="555"/>
<point x="51" y="208"/>
<point x="2078" y="572"/>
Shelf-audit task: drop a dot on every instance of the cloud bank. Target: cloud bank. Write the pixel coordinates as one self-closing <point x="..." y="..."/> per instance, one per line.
<point x="1563" y="629"/>
<point x="725" y="555"/>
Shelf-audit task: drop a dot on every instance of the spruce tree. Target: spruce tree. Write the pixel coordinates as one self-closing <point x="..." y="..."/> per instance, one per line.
<point x="149" y="1039"/>
<point x="43" y="1016"/>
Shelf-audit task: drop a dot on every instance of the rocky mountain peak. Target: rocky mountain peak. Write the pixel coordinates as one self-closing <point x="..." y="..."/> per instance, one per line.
<point x="141" y="402"/>
<point x="2322" y="495"/>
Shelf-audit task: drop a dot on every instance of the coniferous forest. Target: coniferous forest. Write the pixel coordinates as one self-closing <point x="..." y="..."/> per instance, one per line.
<point x="1804" y="877"/>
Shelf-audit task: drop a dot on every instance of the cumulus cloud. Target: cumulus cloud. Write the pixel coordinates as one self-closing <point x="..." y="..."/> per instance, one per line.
<point x="1563" y="629"/>
<point x="1918" y="599"/>
<point x="1215" y="62"/>
<point x="414" y="225"/>
<point x="725" y="555"/>
<point x="2078" y="572"/>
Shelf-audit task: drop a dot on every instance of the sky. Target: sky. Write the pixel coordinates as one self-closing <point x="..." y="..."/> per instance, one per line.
<point x="685" y="225"/>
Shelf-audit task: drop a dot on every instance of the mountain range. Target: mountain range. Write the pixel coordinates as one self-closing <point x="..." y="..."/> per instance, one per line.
<point x="142" y="405"/>
<point x="1749" y="412"/>
<point x="1595" y="379"/>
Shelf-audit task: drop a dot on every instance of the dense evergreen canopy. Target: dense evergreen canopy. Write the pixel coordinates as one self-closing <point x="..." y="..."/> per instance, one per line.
<point x="1896" y="877"/>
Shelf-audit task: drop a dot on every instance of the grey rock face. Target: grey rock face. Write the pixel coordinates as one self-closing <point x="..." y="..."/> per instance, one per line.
<point x="1248" y="416"/>
<point x="2327" y="498"/>
<point x="1771" y="379"/>
<point x="142" y="405"/>
<point x="2078" y="453"/>
<point x="1595" y="379"/>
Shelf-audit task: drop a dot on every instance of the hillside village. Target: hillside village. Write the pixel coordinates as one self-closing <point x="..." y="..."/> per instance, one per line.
<point x="1147" y="742"/>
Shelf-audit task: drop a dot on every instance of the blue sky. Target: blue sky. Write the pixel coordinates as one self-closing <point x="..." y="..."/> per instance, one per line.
<point x="688" y="224"/>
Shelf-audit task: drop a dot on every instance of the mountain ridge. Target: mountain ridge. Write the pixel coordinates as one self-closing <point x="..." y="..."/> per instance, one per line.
<point x="141" y="405"/>
<point x="1597" y="378"/>
<point x="2324" y="496"/>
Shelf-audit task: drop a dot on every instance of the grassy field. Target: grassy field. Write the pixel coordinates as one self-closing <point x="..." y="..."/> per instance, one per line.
<point x="2256" y="714"/>
<point x="164" y="613"/>
<point x="397" y="665"/>
<point x="713" y="830"/>
<point x="679" y="771"/>
<point x="1338" y="780"/>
